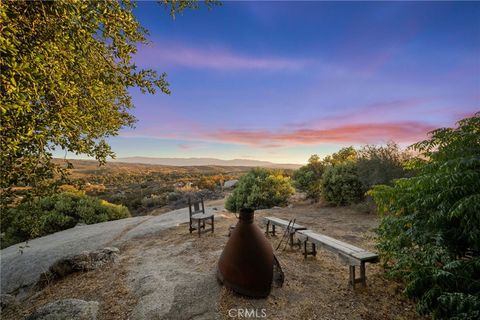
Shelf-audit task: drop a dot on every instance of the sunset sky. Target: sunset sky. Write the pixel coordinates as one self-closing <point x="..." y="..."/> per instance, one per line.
<point x="280" y="81"/>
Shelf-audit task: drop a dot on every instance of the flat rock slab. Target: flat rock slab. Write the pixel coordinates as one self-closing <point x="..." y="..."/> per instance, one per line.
<point x="169" y="286"/>
<point x="21" y="268"/>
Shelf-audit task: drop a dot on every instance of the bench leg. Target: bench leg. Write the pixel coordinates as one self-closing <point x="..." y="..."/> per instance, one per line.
<point x="213" y="227"/>
<point x="273" y="229"/>
<point x="305" y="249"/>
<point x="199" y="228"/>
<point x="363" y="278"/>
<point x="267" y="232"/>
<point x="352" y="276"/>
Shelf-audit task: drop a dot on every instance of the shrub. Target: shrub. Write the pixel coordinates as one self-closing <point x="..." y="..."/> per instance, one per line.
<point x="430" y="229"/>
<point x="341" y="184"/>
<point x="260" y="189"/>
<point x="46" y="215"/>
<point x="154" y="201"/>
<point x="307" y="178"/>
<point x="380" y="164"/>
<point x="346" y="154"/>
<point x="208" y="183"/>
<point x="173" y="196"/>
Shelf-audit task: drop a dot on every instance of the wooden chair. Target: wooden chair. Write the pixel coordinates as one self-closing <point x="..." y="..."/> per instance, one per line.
<point x="198" y="218"/>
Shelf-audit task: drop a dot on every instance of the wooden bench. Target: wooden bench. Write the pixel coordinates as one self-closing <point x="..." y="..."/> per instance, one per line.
<point x="352" y="255"/>
<point x="292" y="228"/>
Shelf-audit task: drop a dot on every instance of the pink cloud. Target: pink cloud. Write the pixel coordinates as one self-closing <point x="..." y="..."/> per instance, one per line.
<point x="407" y="131"/>
<point x="185" y="146"/>
<point x="214" y="58"/>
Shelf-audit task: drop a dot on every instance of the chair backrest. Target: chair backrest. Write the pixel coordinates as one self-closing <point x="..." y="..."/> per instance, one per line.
<point x="195" y="206"/>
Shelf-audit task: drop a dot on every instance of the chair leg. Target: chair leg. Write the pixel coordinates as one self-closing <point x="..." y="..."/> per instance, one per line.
<point x="199" y="228"/>
<point x="191" y="229"/>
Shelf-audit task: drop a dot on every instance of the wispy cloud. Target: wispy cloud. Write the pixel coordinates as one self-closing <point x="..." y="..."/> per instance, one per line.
<point x="386" y="110"/>
<point x="185" y="146"/>
<point x="372" y="123"/>
<point x="212" y="58"/>
<point x="408" y="131"/>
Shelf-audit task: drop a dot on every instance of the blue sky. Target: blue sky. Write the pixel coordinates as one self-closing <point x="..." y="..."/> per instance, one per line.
<point x="280" y="81"/>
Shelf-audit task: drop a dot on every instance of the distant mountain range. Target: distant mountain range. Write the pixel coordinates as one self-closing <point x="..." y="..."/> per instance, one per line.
<point x="184" y="162"/>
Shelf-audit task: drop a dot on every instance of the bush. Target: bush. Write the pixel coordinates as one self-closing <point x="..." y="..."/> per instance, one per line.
<point x="346" y="154"/>
<point x="307" y="178"/>
<point x="341" y="184"/>
<point x="153" y="201"/>
<point x="380" y="164"/>
<point x="260" y="189"/>
<point x="46" y="215"/>
<point x="430" y="229"/>
<point x="208" y="183"/>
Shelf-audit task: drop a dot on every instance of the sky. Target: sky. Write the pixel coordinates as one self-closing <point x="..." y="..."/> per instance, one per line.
<point x="280" y="81"/>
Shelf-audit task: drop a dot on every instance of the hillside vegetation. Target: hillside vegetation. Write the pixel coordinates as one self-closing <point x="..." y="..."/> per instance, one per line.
<point x="50" y="214"/>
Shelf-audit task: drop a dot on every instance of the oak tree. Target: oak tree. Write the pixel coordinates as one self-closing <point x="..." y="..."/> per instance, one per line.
<point x="66" y="71"/>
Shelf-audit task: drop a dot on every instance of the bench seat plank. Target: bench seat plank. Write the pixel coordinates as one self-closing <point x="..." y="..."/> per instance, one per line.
<point x="313" y="236"/>
<point x="366" y="256"/>
<point x="337" y="245"/>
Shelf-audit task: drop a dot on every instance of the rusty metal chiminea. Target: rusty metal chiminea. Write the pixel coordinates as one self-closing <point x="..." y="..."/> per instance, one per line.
<point x="246" y="263"/>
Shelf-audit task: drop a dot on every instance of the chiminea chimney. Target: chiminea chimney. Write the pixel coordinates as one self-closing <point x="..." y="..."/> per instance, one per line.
<point x="246" y="263"/>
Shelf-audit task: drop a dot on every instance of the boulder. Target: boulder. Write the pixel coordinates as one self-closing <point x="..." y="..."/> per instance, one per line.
<point x="229" y="184"/>
<point x="67" y="309"/>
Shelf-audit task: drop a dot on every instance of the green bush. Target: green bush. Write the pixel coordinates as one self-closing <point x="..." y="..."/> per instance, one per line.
<point x="380" y="164"/>
<point x="61" y="211"/>
<point x="430" y="229"/>
<point x="341" y="184"/>
<point x="260" y="189"/>
<point x="346" y="154"/>
<point x="307" y="178"/>
<point x="154" y="201"/>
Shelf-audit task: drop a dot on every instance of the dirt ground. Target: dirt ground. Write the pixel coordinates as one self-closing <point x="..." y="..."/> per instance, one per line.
<point x="316" y="288"/>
